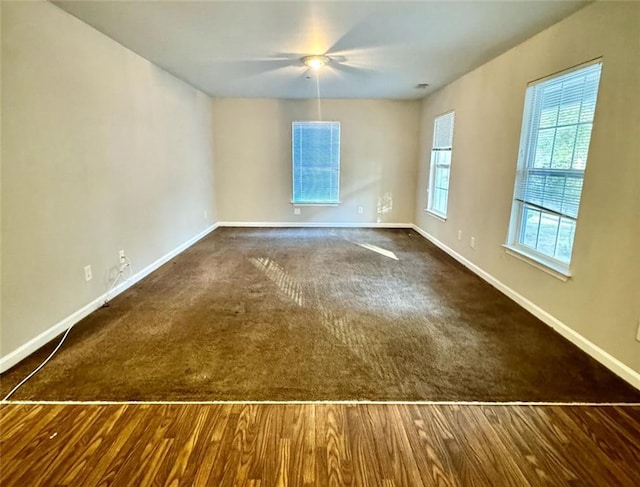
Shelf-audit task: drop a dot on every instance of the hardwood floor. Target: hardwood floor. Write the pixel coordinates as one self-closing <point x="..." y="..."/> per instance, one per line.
<point x="318" y="444"/>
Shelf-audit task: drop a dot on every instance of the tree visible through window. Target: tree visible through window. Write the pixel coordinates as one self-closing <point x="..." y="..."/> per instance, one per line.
<point x="316" y="162"/>
<point x="554" y="145"/>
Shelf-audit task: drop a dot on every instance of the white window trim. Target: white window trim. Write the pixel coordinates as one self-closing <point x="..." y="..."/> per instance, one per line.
<point x="316" y="204"/>
<point x="436" y="215"/>
<point x="560" y="271"/>
<point x="551" y="266"/>
<point x="429" y="208"/>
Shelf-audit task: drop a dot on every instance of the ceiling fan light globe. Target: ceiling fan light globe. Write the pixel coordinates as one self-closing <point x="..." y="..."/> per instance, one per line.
<point x="315" y="62"/>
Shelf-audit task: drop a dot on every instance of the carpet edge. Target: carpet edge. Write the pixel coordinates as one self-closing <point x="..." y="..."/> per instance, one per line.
<point x="594" y="351"/>
<point x="313" y="224"/>
<point x="12" y="358"/>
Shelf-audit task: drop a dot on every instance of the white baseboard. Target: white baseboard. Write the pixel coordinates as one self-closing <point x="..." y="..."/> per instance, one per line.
<point x="314" y="224"/>
<point x="606" y="359"/>
<point x="612" y="363"/>
<point x="34" y="344"/>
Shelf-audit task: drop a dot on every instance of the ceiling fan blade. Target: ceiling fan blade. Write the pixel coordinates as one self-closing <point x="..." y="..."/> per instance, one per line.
<point x="336" y="58"/>
<point x="253" y="66"/>
<point x="397" y="26"/>
<point x="353" y="69"/>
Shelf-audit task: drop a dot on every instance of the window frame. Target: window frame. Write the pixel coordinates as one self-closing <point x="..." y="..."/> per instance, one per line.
<point x="433" y="165"/>
<point x="517" y="228"/>
<point x="338" y="165"/>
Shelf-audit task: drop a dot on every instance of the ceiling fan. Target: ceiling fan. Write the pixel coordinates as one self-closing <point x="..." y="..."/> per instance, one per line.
<point x="300" y="65"/>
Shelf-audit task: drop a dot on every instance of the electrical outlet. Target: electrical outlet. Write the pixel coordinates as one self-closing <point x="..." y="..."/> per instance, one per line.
<point x="205" y="214"/>
<point x="360" y="210"/>
<point x="459" y="234"/>
<point x="87" y="273"/>
<point x="638" y="332"/>
<point x="296" y="211"/>
<point x="472" y="242"/>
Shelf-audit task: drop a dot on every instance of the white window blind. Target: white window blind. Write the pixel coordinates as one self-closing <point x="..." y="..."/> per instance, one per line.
<point x="554" y="144"/>
<point x="440" y="164"/>
<point x="316" y="162"/>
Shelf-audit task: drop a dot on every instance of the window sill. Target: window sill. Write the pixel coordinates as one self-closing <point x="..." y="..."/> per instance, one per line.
<point x="553" y="270"/>
<point x="436" y="215"/>
<point x="315" y="204"/>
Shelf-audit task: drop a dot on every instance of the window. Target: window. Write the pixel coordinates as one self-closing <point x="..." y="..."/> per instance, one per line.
<point x="440" y="164"/>
<point x="556" y="129"/>
<point x="316" y="162"/>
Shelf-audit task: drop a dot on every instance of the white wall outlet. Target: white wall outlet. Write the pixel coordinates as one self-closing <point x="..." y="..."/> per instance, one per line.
<point x="638" y="332"/>
<point x="87" y="273"/>
<point x="472" y="242"/>
<point x="459" y="234"/>
<point x="360" y="210"/>
<point x="205" y="214"/>
<point x="121" y="254"/>
<point x="296" y="211"/>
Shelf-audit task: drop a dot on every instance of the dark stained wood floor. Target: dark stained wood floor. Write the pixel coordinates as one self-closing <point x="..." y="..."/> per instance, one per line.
<point x="319" y="444"/>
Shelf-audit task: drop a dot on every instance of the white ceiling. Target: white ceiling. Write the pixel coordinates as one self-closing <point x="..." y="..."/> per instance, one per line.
<point x="380" y="49"/>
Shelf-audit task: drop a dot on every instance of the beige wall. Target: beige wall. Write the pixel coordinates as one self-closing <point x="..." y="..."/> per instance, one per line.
<point x="602" y="299"/>
<point x="0" y="177"/>
<point x="101" y="151"/>
<point x="379" y="150"/>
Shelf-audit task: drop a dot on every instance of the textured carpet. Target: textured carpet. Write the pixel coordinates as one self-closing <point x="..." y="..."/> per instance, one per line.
<point x="316" y="314"/>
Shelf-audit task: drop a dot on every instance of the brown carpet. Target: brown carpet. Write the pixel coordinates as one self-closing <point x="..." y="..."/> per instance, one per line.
<point x="316" y="314"/>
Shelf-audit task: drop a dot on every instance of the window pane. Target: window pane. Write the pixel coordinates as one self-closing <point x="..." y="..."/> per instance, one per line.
<point x="583" y="137"/>
<point x="571" y="100"/>
<point x="443" y="131"/>
<point x="544" y="148"/>
<point x="531" y="223"/>
<point x="535" y="188"/>
<point x="439" y="199"/>
<point x="316" y="184"/>
<point x="589" y="100"/>
<point x="442" y="177"/>
<point x="444" y="194"/>
<point x="565" y="240"/>
<point x="553" y="193"/>
<point x="571" y="200"/>
<point x="563" y="147"/>
<point x="435" y="200"/>
<point x="443" y="157"/>
<point x="548" y="234"/>
<point x="550" y="103"/>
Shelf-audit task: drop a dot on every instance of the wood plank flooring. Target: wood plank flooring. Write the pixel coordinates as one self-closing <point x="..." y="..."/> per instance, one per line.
<point x="319" y="444"/>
